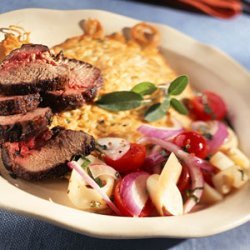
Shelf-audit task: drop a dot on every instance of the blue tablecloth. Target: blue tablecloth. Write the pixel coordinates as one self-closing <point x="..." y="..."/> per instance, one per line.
<point x="232" y="36"/>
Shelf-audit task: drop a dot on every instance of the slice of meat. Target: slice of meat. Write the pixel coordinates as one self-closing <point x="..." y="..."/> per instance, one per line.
<point x="21" y="104"/>
<point x="31" y="69"/>
<point x="27" y="52"/>
<point x="33" y="77"/>
<point x="82" y="76"/>
<point x="20" y="127"/>
<point x="83" y="82"/>
<point x="49" y="160"/>
<point x="63" y="100"/>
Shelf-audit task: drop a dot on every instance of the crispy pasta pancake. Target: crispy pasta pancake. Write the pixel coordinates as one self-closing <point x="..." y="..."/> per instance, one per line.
<point x="123" y="63"/>
<point x="14" y="37"/>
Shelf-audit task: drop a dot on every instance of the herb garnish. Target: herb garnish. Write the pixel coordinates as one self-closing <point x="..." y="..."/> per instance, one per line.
<point x="207" y="109"/>
<point x="100" y="147"/>
<point x="164" y="153"/>
<point x="242" y="174"/>
<point x="144" y="88"/>
<point x="120" y="101"/>
<point x="85" y="166"/>
<point x="99" y="182"/>
<point x="179" y="106"/>
<point x="208" y="136"/>
<point x="85" y="163"/>
<point x="95" y="204"/>
<point x="190" y="193"/>
<point x="127" y="100"/>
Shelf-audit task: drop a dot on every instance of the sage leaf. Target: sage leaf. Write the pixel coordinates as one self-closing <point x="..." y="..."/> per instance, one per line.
<point x="144" y="88"/>
<point x="179" y="106"/>
<point x="178" y="85"/>
<point x="120" y="101"/>
<point x="157" y="111"/>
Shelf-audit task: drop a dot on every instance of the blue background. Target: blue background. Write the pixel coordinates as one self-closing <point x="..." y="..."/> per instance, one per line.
<point x="231" y="36"/>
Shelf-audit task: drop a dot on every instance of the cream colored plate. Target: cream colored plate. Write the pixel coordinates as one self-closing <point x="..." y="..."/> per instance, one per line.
<point x="207" y="67"/>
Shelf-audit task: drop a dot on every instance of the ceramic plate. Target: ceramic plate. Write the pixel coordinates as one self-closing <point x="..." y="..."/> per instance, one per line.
<point x="207" y="68"/>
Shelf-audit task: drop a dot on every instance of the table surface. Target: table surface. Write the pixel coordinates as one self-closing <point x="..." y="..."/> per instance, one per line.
<point x="231" y="36"/>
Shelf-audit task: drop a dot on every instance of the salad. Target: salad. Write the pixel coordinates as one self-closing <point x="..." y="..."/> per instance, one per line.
<point x="169" y="171"/>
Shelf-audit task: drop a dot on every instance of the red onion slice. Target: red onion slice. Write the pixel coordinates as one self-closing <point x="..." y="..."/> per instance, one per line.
<point x="197" y="181"/>
<point x="194" y="165"/>
<point x="159" y="132"/>
<point x="74" y="165"/>
<point x="153" y="162"/>
<point x="113" y="147"/>
<point x="218" y="131"/>
<point x="134" y="193"/>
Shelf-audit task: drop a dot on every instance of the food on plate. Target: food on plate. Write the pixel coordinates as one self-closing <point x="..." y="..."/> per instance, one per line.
<point x="14" y="37"/>
<point x="45" y="156"/>
<point x="82" y="85"/>
<point x="123" y="63"/>
<point x="159" y="148"/>
<point x="19" y="104"/>
<point x="163" y="188"/>
<point x="22" y="126"/>
<point x="27" y="76"/>
<point x="32" y="69"/>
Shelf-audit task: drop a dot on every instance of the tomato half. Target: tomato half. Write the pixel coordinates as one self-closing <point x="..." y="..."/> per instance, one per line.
<point x="192" y="142"/>
<point x="118" y="200"/>
<point x="184" y="181"/>
<point x="208" y="172"/>
<point x="147" y="210"/>
<point x="131" y="161"/>
<point x="208" y="106"/>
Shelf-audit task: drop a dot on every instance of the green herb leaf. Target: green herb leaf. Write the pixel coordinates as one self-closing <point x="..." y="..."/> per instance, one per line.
<point x="190" y="193"/>
<point x="242" y="174"/>
<point x="144" y="88"/>
<point x="85" y="163"/>
<point x="99" y="182"/>
<point x="178" y="85"/>
<point x="208" y="136"/>
<point x="207" y="108"/>
<point x="179" y="106"/>
<point x="157" y="111"/>
<point x="120" y="101"/>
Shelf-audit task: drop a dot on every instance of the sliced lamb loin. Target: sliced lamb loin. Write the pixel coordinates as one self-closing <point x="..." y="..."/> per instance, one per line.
<point x="33" y="77"/>
<point x="26" y="52"/>
<point x="31" y="69"/>
<point x="20" y="127"/>
<point x="61" y="100"/>
<point x="48" y="160"/>
<point x="84" y="81"/>
<point x="21" y="104"/>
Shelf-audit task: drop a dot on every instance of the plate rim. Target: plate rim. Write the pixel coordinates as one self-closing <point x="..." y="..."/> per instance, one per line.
<point x="7" y="202"/>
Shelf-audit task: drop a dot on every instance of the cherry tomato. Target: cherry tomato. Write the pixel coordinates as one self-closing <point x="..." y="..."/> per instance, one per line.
<point x="208" y="172"/>
<point x="184" y="180"/>
<point x="192" y="142"/>
<point x="208" y="106"/>
<point x="129" y="162"/>
<point x="147" y="210"/>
